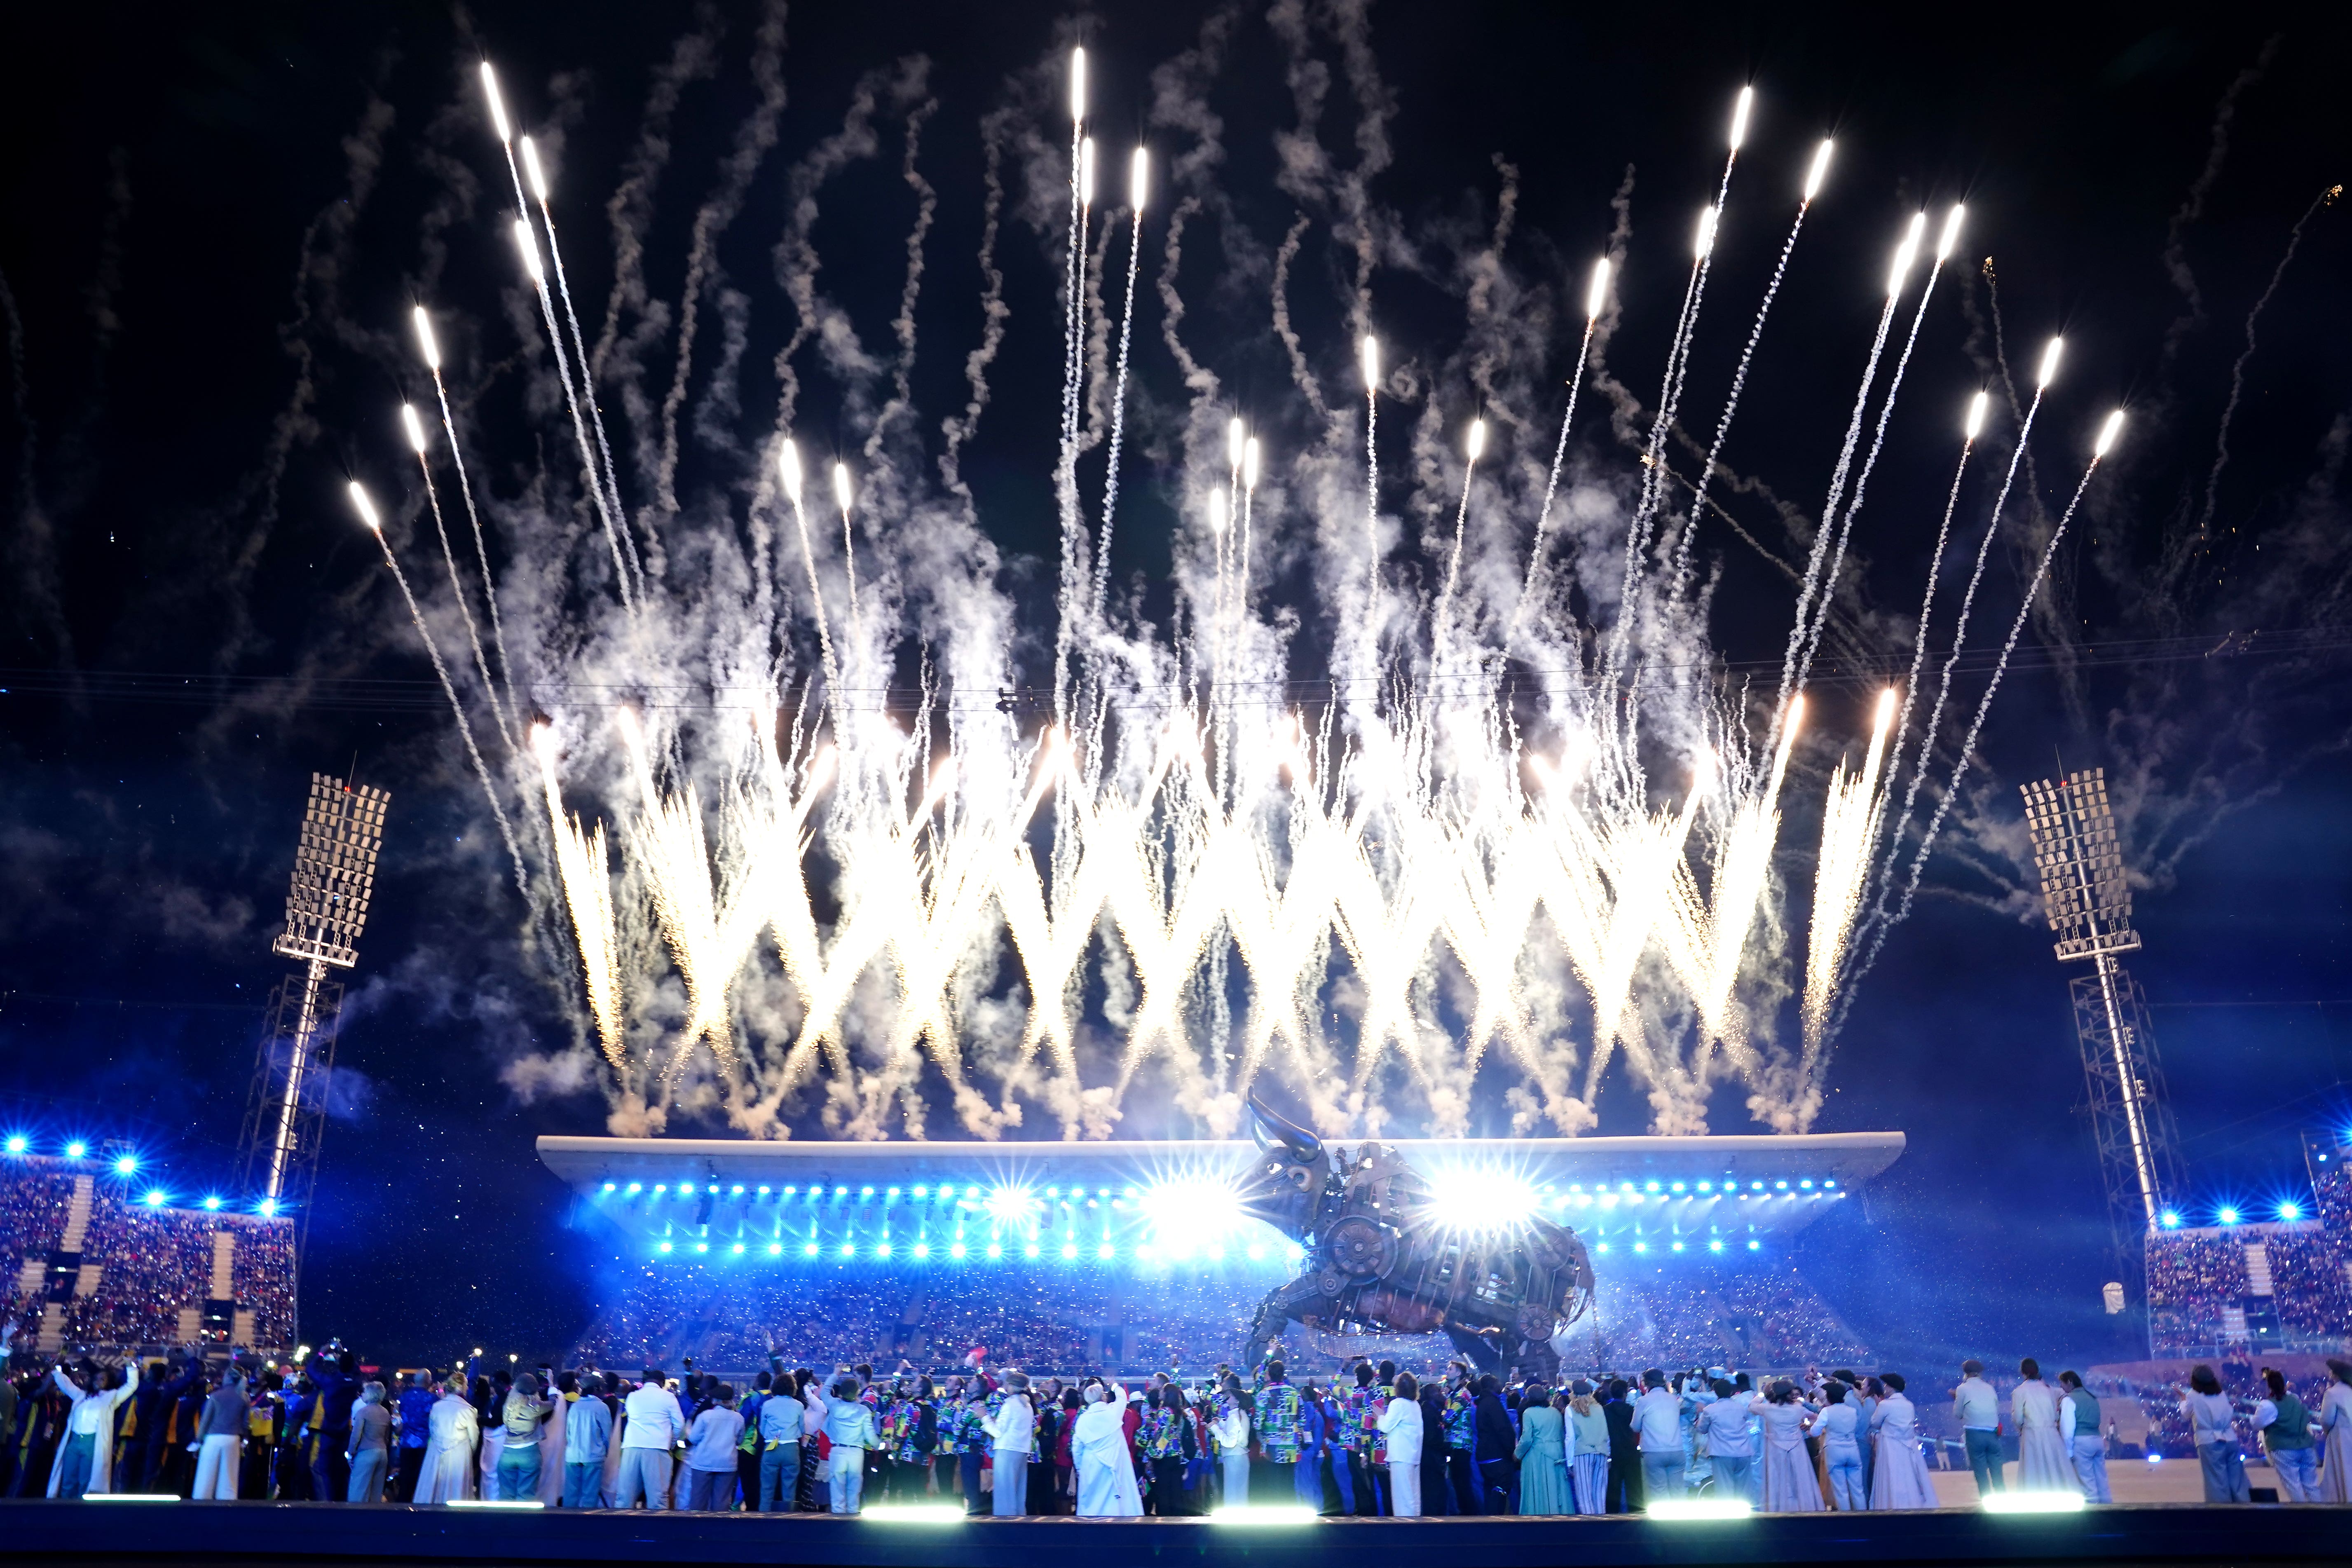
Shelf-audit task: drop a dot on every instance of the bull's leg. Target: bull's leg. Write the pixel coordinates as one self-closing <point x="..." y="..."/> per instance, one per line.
<point x="1478" y="1349"/>
<point x="1282" y="1304"/>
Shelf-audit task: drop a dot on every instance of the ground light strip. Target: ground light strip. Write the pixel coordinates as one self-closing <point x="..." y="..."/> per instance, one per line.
<point x="916" y="1513"/>
<point x="2033" y="1502"/>
<point x="495" y="1502"/>
<point x="1274" y="1514"/>
<point x="129" y="1497"/>
<point x="1686" y="1509"/>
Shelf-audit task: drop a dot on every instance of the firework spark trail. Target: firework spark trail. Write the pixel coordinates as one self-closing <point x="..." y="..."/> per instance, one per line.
<point x="787" y="470"/>
<point x="2000" y="666"/>
<point x="1595" y="299"/>
<point x="431" y="350"/>
<point x="1119" y="396"/>
<point x="632" y="570"/>
<point x="1743" y="874"/>
<point x="1878" y="436"/>
<point x="1874" y="921"/>
<point x="1065" y="476"/>
<point x="1369" y="659"/>
<point x="2238" y="367"/>
<point x="581" y="861"/>
<point x="416" y="432"/>
<point x="1847" y="820"/>
<point x="1441" y="623"/>
<point x="1738" y="378"/>
<point x="366" y="508"/>
<point x="608" y="476"/>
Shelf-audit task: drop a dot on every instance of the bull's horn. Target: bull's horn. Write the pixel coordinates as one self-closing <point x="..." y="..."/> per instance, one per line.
<point x="1270" y="1129"/>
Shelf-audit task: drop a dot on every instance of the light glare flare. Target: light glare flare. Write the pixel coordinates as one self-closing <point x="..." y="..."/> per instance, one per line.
<point x="1950" y="238"/>
<point x="529" y="250"/>
<point x="498" y="104"/>
<point x="1821" y="169"/>
<point x="788" y="468"/>
<point x="2049" y="370"/>
<point x="1480" y="1201"/>
<point x="530" y="166"/>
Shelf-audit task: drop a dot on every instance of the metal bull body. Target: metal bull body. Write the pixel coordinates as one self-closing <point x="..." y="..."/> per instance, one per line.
<point x="1379" y="1260"/>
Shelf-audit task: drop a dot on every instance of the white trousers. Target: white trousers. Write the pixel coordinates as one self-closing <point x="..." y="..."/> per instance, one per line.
<point x="1404" y="1486"/>
<point x="218" y="1463"/>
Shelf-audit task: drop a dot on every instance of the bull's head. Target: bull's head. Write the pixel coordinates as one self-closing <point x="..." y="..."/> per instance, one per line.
<point x="1286" y="1183"/>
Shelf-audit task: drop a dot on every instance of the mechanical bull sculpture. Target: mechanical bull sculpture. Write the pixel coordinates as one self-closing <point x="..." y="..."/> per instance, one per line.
<point x="1379" y="1260"/>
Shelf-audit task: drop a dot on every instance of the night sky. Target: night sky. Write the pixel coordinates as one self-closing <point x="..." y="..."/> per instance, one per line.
<point x="216" y="219"/>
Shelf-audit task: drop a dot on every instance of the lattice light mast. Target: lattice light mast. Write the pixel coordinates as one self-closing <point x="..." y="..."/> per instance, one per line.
<point x="2087" y="899"/>
<point x="326" y="906"/>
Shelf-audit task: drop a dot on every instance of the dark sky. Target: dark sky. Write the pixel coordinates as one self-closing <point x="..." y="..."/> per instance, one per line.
<point x="203" y="311"/>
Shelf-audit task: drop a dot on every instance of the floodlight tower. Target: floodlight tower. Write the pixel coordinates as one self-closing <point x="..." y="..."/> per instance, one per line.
<point x="326" y="906"/>
<point x="2087" y="899"/>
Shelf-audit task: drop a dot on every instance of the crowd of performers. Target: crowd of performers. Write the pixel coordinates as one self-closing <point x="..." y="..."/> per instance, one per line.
<point x="1373" y="1440"/>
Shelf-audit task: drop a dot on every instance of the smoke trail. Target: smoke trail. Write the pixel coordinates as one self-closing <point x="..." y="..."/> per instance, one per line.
<point x="1730" y="405"/>
<point x="2238" y="368"/>
<point x="902" y="327"/>
<point x="1119" y="415"/>
<point x="1552" y="480"/>
<point x="754" y="139"/>
<point x="994" y="311"/>
<point x="457" y="711"/>
<point x="628" y="568"/>
<point x="2193" y="205"/>
<point x="606" y="475"/>
<point x="1066" y="475"/>
<point x="1301" y="372"/>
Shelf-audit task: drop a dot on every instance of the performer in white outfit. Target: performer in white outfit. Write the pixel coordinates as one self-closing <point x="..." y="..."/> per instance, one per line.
<point x="1401" y="1425"/>
<point x="2336" y="1439"/>
<point x="1899" y="1475"/>
<point x="1013" y="1434"/>
<point x="1790" y="1484"/>
<point x="1106" y="1471"/>
<point x="451" y="1432"/>
<point x="85" y="1461"/>
<point x="1839" y="1427"/>
<point x="2043" y="1464"/>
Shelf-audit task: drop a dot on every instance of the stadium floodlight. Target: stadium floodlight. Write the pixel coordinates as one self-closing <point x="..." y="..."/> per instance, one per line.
<point x="2086" y="898"/>
<point x="125" y="1163"/>
<point x="2228" y="1217"/>
<point x="76" y="1149"/>
<point x="269" y="1208"/>
<point x="212" y="1200"/>
<point x="154" y="1198"/>
<point x="1186" y="1213"/>
<point x="17" y="1143"/>
<point x="2171" y="1220"/>
<point x="325" y="908"/>
<point x="2290" y="1211"/>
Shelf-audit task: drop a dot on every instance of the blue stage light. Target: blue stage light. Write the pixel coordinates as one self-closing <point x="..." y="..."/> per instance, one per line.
<point x="212" y="1202"/>
<point x="16" y="1143"/>
<point x="702" y="1246"/>
<point x="841" y="1192"/>
<point x="810" y="1250"/>
<point x="957" y="1250"/>
<point x="2290" y="1211"/>
<point x="76" y="1149"/>
<point x="1754" y="1245"/>
<point x="1806" y="1186"/>
<point x="739" y="1246"/>
<point x="763" y="1191"/>
<point x="1714" y="1247"/>
<point x="775" y="1250"/>
<point x="154" y="1198"/>
<point x="922" y="1249"/>
<point x="609" y="1186"/>
<point x="1706" y="1186"/>
<point x="268" y="1207"/>
<point x="1830" y="1185"/>
<point x="1104" y="1250"/>
<point x="1650" y="1187"/>
<point x="1779" y="1186"/>
<point x="883" y="1250"/>
<point x="892" y="1193"/>
<point x="734" y="1192"/>
<point x="1030" y="1250"/>
<point x="1678" y="1246"/>
<point x="920" y="1192"/>
<point x="2229" y="1217"/>
<point x="125" y="1163"/>
<point x="661" y="1186"/>
<point x="1677" y="1188"/>
<point x="996" y="1251"/>
<point x="866" y="1191"/>
<point x="1603" y="1248"/>
<point x="2172" y="1219"/>
<point x="1069" y="1249"/>
<point x="637" y="1187"/>
<point x="1640" y="1247"/>
<point x="662" y="1248"/>
<point x="849" y="1249"/>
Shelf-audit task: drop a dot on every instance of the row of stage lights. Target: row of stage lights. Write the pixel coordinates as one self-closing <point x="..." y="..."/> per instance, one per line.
<point x="126" y="1165"/>
<point x="997" y="1197"/>
<point x="2287" y="1212"/>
